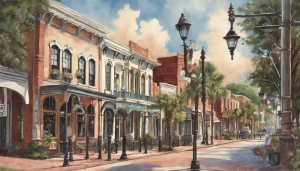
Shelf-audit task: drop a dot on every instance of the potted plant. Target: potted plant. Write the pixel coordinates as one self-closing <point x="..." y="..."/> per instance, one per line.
<point x="222" y="136"/>
<point x="78" y="147"/>
<point x="78" y="74"/>
<point x="273" y="149"/>
<point x="259" y="150"/>
<point x="67" y="76"/>
<point x="55" y="74"/>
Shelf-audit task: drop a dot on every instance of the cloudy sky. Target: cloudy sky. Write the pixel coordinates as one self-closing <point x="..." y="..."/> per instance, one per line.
<point x="151" y="24"/>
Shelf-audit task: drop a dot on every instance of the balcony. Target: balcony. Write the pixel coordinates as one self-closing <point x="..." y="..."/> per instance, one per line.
<point x="125" y="94"/>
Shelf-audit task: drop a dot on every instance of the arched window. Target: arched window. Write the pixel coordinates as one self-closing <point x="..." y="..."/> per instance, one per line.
<point x="136" y="82"/>
<point x="49" y="118"/>
<point x="55" y="57"/>
<point x="81" y="66"/>
<point x="49" y="103"/>
<point x="150" y="86"/>
<point x="67" y="61"/>
<point x="118" y="70"/>
<point x="63" y="108"/>
<point x="107" y="77"/>
<point x="91" y="114"/>
<point x="108" y="123"/>
<point x="143" y="84"/>
<point x="92" y="72"/>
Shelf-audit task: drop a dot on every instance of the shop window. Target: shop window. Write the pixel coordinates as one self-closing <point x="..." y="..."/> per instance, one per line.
<point x="20" y="120"/>
<point x="55" y="57"/>
<point x="91" y="120"/>
<point x="107" y="77"/>
<point x="67" y="61"/>
<point x="49" y="123"/>
<point x="49" y="103"/>
<point x="81" y="125"/>
<point x="108" y="128"/>
<point x="92" y="73"/>
<point x="81" y="66"/>
<point x="63" y="108"/>
<point x="1" y="95"/>
<point x="143" y="84"/>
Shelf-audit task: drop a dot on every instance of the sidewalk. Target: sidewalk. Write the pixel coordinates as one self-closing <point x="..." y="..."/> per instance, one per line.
<point x="81" y="163"/>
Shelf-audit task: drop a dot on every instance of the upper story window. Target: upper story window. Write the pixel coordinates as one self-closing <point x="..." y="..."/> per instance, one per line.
<point x="67" y="61"/>
<point x="122" y="80"/>
<point x="143" y="84"/>
<point x="107" y="76"/>
<point x="92" y="73"/>
<point x="132" y="81"/>
<point x="81" y="66"/>
<point x="150" y="86"/>
<point x="117" y="76"/>
<point x="224" y="102"/>
<point x="136" y="88"/>
<point x="55" y="57"/>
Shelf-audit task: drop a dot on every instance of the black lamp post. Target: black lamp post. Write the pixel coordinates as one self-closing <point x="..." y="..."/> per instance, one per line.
<point x="183" y="27"/>
<point x="261" y="94"/>
<point x="231" y="37"/>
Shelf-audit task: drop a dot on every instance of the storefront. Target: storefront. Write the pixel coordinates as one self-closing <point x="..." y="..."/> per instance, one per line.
<point x="80" y="107"/>
<point x="14" y="97"/>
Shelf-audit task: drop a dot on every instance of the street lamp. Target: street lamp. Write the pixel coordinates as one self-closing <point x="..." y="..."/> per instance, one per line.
<point x="183" y="26"/>
<point x="231" y="37"/>
<point x="261" y="94"/>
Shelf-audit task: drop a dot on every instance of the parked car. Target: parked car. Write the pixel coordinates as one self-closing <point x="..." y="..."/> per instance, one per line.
<point x="244" y="132"/>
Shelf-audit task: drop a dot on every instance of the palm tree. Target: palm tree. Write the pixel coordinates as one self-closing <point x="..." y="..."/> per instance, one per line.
<point x="238" y="115"/>
<point x="171" y="107"/>
<point x="249" y="110"/>
<point x="215" y="91"/>
<point x="194" y="88"/>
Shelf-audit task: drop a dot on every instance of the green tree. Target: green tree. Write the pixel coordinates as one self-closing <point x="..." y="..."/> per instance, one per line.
<point x="238" y="115"/>
<point x="245" y="90"/>
<point x="15" y="16"/>
<point x="172" y="107"/>
<point x="215" y="91"/>
<point x="265" y="42"/>
<point x="249" y="110"/>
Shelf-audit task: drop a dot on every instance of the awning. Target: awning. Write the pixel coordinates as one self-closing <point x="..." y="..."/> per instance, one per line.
<point x="16" y="81"/>
<point x="207" y="117"/>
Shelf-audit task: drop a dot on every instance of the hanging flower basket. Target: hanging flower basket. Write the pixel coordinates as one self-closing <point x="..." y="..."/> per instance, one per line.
<point x="67" y="76"/>
<point x="55" y="74"/>
<point x="78" y="74"/>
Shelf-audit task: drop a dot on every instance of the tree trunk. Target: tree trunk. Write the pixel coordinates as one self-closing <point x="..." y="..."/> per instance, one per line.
<point x="211" y="125"/>
<point x="169" y="133"/>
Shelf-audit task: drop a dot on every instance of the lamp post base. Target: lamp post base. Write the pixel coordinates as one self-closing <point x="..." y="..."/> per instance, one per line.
<point x="195" y="165"/>
<point x="123" y="157"/>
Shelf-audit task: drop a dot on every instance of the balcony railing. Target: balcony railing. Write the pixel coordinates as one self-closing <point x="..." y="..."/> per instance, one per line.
<point x="125" y="94"/>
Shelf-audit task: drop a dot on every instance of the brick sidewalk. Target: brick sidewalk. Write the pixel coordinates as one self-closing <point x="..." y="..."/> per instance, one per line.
<point x="81" y="163"/>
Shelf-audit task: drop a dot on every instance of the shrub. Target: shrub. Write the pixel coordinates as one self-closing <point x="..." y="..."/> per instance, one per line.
<point x="11" y="149"/>
<point x="36" y="150"/>
<point x="259" y="150"/>
<point x="47" y="140"/>
<point x="166" y="148"/>
<point x="232" y="138"/>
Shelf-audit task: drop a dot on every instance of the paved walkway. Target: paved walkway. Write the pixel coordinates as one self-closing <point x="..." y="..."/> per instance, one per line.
<point x="224" y="155"/>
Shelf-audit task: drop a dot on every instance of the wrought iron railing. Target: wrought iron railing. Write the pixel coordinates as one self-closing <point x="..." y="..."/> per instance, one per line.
<point x="125" y="94"/>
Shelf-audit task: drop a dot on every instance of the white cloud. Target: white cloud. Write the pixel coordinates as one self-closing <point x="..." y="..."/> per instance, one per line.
<point x="217" y="48"/>
<point x="151" y="35"/>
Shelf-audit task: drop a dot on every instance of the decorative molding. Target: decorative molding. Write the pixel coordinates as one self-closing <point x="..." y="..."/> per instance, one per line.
<point x="91" y="57"/>
<point x="67" y="46"/>
<point x="82" y="55"/>
<point x="105" y="49"/>
<point x="109" y="62"/>
<point x="92" y="35"/>
<point x="63" y="24"/>
<point x="51" y="18"/>
<point x="116" y="54"/>
<point x="43" y="15"/>
<point x="55" y="42"/>
<point x="78" y="31"/>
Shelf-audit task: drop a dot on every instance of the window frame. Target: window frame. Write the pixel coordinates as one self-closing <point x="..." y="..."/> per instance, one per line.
<point x="69" y="65"/>
<point x="82" y="80"/>
<point x="54" y="47"/>
<point x="143" y="85"/>
<point x="108" y="77"/>
<point x="150" y="86"/>
<point x="92" y="63"/>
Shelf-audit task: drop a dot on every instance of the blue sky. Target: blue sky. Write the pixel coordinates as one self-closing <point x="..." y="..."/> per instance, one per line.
<point x="208" y="19"/>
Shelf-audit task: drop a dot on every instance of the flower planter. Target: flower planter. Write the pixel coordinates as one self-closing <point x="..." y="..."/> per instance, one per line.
<point x="54" y="76"/>
<point x="68" y="79"/>
<point x="222" y="138"/>
<point x="79" y="76"/>
<point x="274" y="158"/>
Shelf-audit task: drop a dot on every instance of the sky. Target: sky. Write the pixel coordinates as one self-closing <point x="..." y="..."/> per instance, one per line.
<point x="151" y="24"/>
